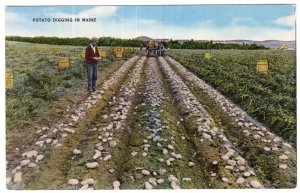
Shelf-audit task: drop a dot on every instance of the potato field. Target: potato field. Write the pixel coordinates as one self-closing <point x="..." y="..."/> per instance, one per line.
<point x="270" y="98"/>
<point x="172" y="122"/>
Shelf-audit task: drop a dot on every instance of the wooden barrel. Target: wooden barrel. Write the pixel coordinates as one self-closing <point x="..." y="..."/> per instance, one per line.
<point x="262" y="66"/>
<point x="63" y="62"/>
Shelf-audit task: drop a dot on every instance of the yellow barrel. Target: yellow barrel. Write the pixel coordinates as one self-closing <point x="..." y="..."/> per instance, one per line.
<point x="282" y="47"/>
<point x="119" y="49"/>
<point x="102" y="54"/>
<point x="262" y="66"/>
<point x="119" y="54"/>
<point x="83" y="54"/>
<point x="100" y="50"/>
<point x="207" y="55"/>
<point x="63" y="62"/>
<point x="9" y="79"/>
<point x="130" y="49"/>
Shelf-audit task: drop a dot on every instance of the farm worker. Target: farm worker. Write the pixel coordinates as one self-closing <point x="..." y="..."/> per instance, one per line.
<point x="147" y="48"/>
<point x="92" y="57"/>
<point x="161" y="49"/>
<point x="141" y="47"/>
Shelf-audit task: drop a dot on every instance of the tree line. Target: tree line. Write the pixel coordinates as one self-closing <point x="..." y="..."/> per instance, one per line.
<point x="191" y="44"/>
<point x="79" y="41"/>
<point x="109" y="41"/>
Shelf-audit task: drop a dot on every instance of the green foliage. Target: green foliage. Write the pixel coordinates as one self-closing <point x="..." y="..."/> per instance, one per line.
<point x="271" y="98"/>
<point x="37" y="79"/>
<point x="109" y="41"/>
<point x="79" y="41"/>
<point x="191" y="44"/>
<point x="51" y="40"/>
<point x="40" y="87"/>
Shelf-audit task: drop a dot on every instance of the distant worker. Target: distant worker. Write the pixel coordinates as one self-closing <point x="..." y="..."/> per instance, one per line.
<point x="92" y="57"/>
<point x="141" y="47"/>
<point x="161" y="49"/>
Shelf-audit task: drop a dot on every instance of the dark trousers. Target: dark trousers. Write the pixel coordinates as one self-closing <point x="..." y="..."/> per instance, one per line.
<point x="92" y="70"/>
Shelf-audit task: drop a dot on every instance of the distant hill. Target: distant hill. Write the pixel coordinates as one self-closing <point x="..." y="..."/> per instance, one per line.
<point x="147" y="39"/>
<point x="266" y="43"/>
<point x="143" y="38"/>
<point x="276" y="43"/>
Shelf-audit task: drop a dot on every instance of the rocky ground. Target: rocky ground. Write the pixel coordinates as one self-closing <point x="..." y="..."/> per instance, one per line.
<point x="153" y="125"/>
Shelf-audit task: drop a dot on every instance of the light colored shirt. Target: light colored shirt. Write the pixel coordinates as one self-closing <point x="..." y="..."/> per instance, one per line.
<point x="94" y="48"/>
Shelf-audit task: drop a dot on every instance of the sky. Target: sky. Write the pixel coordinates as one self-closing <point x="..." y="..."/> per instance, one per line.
<point x="198" y="22"/>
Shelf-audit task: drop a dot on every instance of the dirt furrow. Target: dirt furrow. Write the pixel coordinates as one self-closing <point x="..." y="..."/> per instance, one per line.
<point x="99" y="162"/>
<point x="272" y="158"/>
<point x="159" y="156"/>
<point x="57" y="112"/>
<point x="54" y="142"/>
<point x="153" y="125"/>
<point x="219" y="157"/>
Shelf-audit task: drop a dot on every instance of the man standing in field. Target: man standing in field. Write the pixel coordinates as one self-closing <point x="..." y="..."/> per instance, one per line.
<point x="92" y="57"/>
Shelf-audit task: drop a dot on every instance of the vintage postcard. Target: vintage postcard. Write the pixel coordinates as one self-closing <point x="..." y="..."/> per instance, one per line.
<point x="108" y="97"/>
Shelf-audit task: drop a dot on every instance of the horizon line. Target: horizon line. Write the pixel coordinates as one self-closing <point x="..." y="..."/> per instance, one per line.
<point x="161" y="38"/>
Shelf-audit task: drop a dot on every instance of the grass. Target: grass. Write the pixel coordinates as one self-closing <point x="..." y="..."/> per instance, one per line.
<point x="266" y="164"/>
<point x="41" y="91"/>
<point x="270" y="98"/>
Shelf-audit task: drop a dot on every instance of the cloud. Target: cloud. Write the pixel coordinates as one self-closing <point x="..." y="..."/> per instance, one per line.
<point x="286" y="21"/>
<point x="147" y="22"/>
<point x="100" y="11"/>
<point x="108" y="24"/>
<point x="97" y="12"/>
<point x="229" y="32"/>
<point x="206" y="23"/>
<point x="11" y="17"/>
<point x="243" y="21"/>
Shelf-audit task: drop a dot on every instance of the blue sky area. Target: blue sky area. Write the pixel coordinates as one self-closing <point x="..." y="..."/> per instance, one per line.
<point x="237" y="21"/>
<point x="221" y="15"/>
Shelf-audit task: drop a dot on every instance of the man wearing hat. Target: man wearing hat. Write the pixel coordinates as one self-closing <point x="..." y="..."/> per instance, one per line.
<point x="92" y="57"/>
